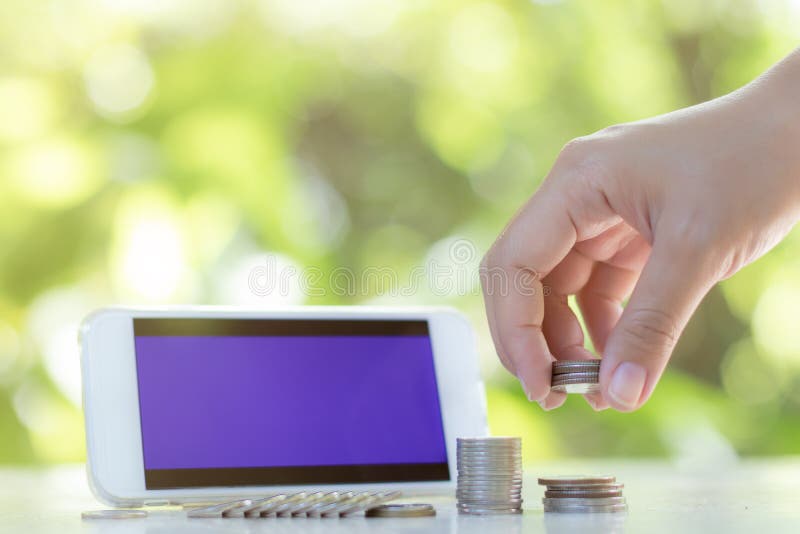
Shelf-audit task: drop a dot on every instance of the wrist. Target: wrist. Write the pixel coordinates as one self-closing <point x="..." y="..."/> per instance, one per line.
<point x="775" y="99"/>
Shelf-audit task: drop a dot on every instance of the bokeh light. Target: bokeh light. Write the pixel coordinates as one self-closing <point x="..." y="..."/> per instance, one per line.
<point x="164" y="151"/>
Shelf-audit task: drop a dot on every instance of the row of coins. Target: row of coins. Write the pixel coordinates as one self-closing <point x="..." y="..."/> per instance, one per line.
<point x="301" y="504"/>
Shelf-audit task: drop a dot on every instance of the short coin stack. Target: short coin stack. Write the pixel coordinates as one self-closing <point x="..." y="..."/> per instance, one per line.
<point x="583" y="494"/>
<point x="489" y="475"/>
<point x="576" y="376"/>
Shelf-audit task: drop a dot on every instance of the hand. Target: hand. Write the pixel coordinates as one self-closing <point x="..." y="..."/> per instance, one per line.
<point x="658" y="211"/>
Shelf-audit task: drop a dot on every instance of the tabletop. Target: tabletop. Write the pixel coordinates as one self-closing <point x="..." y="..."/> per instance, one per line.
<point x="743" y="496"/>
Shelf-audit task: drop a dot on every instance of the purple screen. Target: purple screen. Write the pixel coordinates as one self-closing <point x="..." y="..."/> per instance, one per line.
<point x="265" y="401"/>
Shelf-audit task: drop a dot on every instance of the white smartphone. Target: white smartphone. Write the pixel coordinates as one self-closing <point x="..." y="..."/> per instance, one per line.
<point x="197" y="404"/>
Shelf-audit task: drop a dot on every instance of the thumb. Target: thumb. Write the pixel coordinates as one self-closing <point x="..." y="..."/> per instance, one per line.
<point x="672" y="284"/>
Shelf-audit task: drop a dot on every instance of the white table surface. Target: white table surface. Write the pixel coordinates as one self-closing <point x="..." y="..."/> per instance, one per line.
<point x="750" y="496"/>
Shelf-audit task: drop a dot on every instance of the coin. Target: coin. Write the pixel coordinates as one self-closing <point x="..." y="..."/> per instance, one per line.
<point x="585" y="494"/>
<point x="401" y="510"/>
<point x="581" y="389"/>
<point x="585" y="377"/>
<point x="490" y="440"/>
<point x="113" y="514"/>
<point x="569" y="366"/>
<point x="577" y="480"/>
<point x="477" y="510"/>
<point x="586" y="509"/>
<point x="492" y="505"/>
<point x="579" y="501"/>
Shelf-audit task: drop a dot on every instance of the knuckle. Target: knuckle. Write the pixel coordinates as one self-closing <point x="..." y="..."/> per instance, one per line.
<point x="576" y="150"/>
<point x="585" y="160"/>
<point x="699" y="238"/>
<point x="650" y="331"/>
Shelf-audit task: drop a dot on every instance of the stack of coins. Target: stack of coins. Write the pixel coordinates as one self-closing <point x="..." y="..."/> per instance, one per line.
<point x="576" y="376"/>
<point x="586" y="493"/>
<point x="489" y="476"/>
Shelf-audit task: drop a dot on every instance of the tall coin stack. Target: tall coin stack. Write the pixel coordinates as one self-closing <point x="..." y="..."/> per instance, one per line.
<point x="489" y="475"/>
<point x="576" y="376"/>
<point x="583" y="494"/>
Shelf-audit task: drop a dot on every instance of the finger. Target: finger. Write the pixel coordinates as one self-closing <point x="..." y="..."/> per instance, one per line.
<point x="606" y="245"/>
<point x="560" y="326"/>
<point x="537" y="240"/>
<point x="600" y="300"/>
<point x="601" y="303"/>
<point x="564" y="336"/>
<point x="490" y="285"/>
<point x="672" y="283"/>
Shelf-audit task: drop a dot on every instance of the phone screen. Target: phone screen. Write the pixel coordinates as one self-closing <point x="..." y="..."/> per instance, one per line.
<point x="235" y="402"/>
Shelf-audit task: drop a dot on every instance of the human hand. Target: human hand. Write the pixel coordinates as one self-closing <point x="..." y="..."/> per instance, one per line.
<point x="659" y="211"/>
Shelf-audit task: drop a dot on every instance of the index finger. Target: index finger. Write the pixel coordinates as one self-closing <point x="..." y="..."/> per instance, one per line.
<point x="534" y="243"/>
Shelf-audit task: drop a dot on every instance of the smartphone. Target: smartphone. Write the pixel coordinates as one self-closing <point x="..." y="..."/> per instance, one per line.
<point x="197" y="404"/>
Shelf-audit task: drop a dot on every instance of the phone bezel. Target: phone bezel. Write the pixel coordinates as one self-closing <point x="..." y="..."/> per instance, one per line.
<point x="111" y="405"/>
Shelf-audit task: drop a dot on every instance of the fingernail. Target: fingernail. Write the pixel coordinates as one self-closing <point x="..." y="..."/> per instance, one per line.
<point x="627" y="385"/>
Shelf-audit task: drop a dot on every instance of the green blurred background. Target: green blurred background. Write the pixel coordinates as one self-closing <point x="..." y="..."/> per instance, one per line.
<point x="158" y="151"/>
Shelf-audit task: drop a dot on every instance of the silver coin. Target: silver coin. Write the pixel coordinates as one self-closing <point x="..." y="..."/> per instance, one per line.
<point x="481" y="493"/>
<point x="501" y="464"/>
<point x="401" y="510"/>
<point x="587" y="509"/>
<point x="334" y="509"/>
<point x="511" y="484"/>
<point x="490" y="448"/>
<point x="499" y="475"/>
<point x="581" y="389"/>
<point x="489" y="462"/>
<point x="568" y="366"/>
<point x="578" y="501"/>
<point x="482" y="459"/>
<point x="113" y="514"/>
<point x="488" y="454"/>
<point x="587" y="377"/>
<point x="488" y="442"/>
<point x="615" y="486"/>
<point x="489" y="505"/>
<point x="489" y="484"/>
<point x="568" y="379"/>
<point x="489" y="498"/>
<point x="574" y="383"/>
<point x="583" y="494"/>
<point x="256" y="504"/>
<point x="500" y="472"/>
<point x="568" y="376"/>
<point x="479" y="510"/>
<point x="577" y="480"/>
<point x="489" y="466"/>
<point x="216" y="510"/>
<point x="492" y="496"/>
